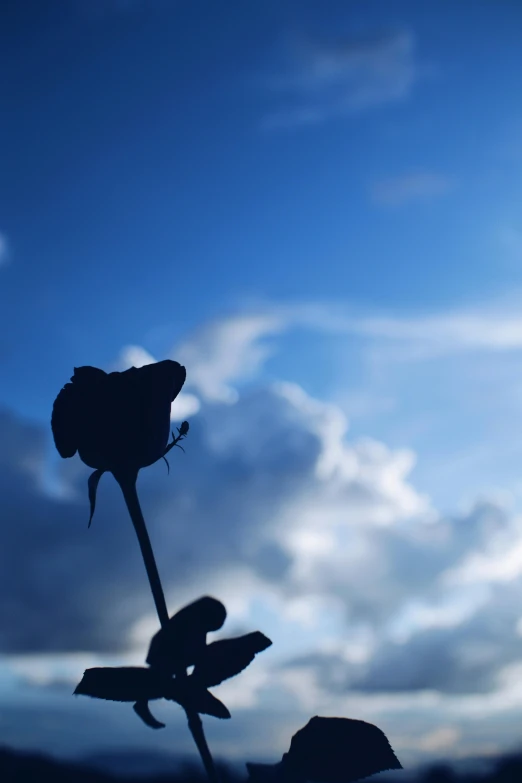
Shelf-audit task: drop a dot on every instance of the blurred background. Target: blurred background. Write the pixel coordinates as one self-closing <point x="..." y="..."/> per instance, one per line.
<point x="316" y="206"/>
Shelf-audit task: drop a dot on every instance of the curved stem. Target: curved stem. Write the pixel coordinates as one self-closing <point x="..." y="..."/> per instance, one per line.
<point x="130" y="494"/>
<point x="127" y="483"/>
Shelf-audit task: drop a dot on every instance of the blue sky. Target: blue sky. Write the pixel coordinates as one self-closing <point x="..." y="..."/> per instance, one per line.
<point x="316" y="207"/>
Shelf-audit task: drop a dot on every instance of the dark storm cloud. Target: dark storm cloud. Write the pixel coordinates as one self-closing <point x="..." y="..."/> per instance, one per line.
<point x="64" y="587"/>
<point x="458" y="660"/>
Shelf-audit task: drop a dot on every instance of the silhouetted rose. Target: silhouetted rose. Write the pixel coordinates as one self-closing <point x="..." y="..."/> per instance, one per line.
<point x="120" y="420"/>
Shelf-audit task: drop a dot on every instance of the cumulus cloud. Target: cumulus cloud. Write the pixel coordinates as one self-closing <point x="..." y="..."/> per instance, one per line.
<point x="274" y="462"/>
<point x="324" y="79"/>
<point x="430" y="629"/>
<point x="227" y="349"/>
<point x="289" y="508"/>
<point x="298" y="503"/>
<point x="375" y="602"/>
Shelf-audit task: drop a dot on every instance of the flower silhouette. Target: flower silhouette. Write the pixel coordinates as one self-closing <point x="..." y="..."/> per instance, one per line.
<point x="118" y="421"/>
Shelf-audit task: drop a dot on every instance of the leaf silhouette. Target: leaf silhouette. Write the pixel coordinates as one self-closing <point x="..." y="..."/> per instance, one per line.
<point x="228" y="657"/>
<point x="331" y="750"/>
<point x="125" y="683"/>
<point x="207" y="704"/>
<point x="141" y="708"/>
<point x="191" y="694"/>
<point x="182" y="642"/>
<point x="92" y="484"/>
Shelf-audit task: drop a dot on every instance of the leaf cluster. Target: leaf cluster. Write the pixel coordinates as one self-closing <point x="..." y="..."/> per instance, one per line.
<point x="175" y="648"/>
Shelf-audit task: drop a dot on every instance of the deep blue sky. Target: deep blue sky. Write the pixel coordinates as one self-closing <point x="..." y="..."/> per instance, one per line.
<point x="315" y="205"/>
<point x="141" y="188"/>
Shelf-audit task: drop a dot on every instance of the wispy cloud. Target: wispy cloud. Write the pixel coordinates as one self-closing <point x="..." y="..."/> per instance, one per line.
<point x="234" y="348"/>
<point x="228" y="349"/>
<point x="325" y="79"/>
<point x="411" y="187"/>
<point x="447" y="333"/>
<point x="494" y="326"/>
<point x="4" y="249"/>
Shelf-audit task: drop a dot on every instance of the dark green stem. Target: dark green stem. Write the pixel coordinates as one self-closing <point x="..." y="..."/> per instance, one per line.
<point x="127" y="483"/>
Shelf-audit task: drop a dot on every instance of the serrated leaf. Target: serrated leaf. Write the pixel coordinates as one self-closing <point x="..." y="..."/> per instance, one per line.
<point x="92" y="484"/>
<point x="182" y="642"/>
<point x="125" y="683"/>
<point x="228" y="657"/>
<point x="338" y="750"/>
<point x="189" y="692"/>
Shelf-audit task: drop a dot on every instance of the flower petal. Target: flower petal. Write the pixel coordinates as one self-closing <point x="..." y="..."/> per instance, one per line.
<point x="63" y="422"/>
<point x="119" y="420"/>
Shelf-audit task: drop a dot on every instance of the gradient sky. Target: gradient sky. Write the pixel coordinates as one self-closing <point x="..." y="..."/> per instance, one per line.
<point x="316" y="206"/>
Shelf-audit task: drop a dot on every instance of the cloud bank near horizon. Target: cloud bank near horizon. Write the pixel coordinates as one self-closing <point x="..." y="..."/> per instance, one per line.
<point x="370" y="595"/>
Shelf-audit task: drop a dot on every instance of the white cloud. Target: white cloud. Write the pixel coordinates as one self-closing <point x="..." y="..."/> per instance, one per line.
<point x="184" y="406"/>
<point x="135" y="356"/>
<point x="501" y="562"/>
<point x="411" y="187"/>
<point x="225" y="350"/>
<point x="322" y="541"/>
<point x="451" y="331"/>
<point x="233" y="348"/>
<point x="493" y="327"/>
<point x="325" y="79"/>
